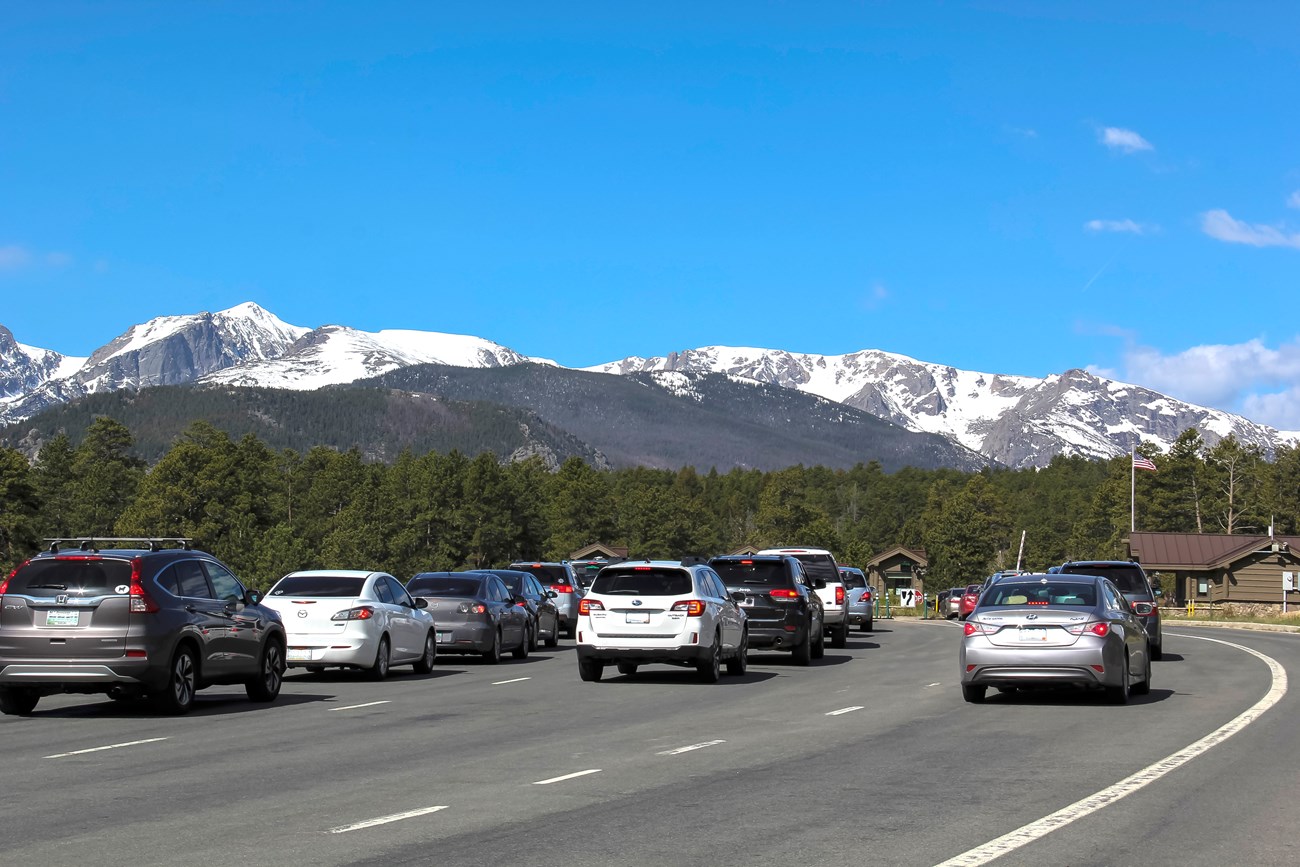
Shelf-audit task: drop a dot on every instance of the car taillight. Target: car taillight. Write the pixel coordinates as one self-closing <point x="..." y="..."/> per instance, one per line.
<point x="4" y="585"/>
<point x="692" y="607"/>
<point x="783" y="593"/>
<point x="839" y="594"/>
<point x="140" y="603"/>
<point x="472" y="608"/>
<point x="1099" y="629"/>
<point x="1143" y="609"/>
<point x="562" y="588"/>
<point x="975" y="627"/>
<point x="586" y="606"/>
<point x="362" y="612"/>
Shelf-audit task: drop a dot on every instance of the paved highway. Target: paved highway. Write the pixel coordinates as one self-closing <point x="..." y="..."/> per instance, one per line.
<point x="869" y="756"/>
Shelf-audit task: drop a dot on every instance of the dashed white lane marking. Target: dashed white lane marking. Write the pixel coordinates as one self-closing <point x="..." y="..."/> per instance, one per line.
<point x="1127" y="786"/>
<point x="928" y="685"/>
<point x="355" y="706"/>
<point x="101" y="749"/>
<point x="566" y="777"/>
<point x="384" y="820"/>
<point x="679" y="750"/>
<point x="845" y="710"/>
<point x="512" y="680"/>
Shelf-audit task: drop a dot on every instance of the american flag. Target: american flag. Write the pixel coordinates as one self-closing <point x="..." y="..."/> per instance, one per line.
<point x="1141" y="463"/>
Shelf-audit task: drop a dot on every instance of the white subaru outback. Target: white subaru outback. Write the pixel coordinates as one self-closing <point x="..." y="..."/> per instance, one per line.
<point x="660" y="611"/>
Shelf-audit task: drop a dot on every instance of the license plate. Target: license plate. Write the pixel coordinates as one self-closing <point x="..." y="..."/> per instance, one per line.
<point x="1032" y="635"/>
<point x="297" y="654"/>
<point x="747" y="602"/>
<point x="638" y="617"/>
<point x="62" y="618"/>
<point x="444" y="638"/>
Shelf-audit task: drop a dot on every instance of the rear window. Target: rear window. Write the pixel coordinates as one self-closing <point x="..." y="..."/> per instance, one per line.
<point x="514" y="583"/>
<point x="821" y="566"/>
<point x="974" y="589"/>
<point x="444" y="585"/>
<point x="1038" y="593"/>
<point x="586" y="574"/>
<point x="853" y="579"/>
<point x="739" y="573"/>
<point x="58" y="577"/>
<point x="1128" y="577"/>
<point x="319" y="586"/>
<point x="645" y="581"/>
<point x="546" y="574"/>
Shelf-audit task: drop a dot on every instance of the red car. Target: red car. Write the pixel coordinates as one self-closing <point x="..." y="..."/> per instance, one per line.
<point x="968" y="600"/>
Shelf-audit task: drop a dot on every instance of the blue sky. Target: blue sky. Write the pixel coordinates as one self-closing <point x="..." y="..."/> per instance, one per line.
<point x="1000" y="186"/>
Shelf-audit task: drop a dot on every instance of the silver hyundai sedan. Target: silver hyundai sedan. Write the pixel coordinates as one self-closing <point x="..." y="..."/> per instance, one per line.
<point x="1049" y="630"/>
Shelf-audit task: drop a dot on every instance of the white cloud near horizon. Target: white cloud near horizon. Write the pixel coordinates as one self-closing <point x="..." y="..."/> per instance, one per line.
<point x="1115" y="226"/>
<point x="1293" y="200"/>
<point x="1222" y="226"/>
<point x="13" y="257"/>
<point x="1126" y="140"/>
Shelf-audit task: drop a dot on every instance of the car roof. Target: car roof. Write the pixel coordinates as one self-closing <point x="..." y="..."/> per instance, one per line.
<point x="794" y="549"/>
<point x="766" y="558"/>
<point x="340" y="573"/>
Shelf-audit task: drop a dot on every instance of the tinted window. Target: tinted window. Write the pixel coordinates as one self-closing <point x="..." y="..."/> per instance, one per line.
<point x="1128" y="577"/>
<point x="853" y="579"/>
<point x="383" y="592"/>
<point x="1038" y="593"/>
<point x="974" y="589"/>
<point x="643" y="581"/>
<point x="191" y="581"/>
<point x="547" y="574"/>
<point x="820" y="566"/>
<point x="319" y="586"/>
<point x="444" y="585"/>
<point x="50" y="578"/>
<point x="396" y="591"/>
<point x="224" y="583"/>
<point x="739" y="573"/>
<point x="514" y="583"/>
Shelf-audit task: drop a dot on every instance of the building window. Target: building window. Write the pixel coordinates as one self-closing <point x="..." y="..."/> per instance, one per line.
<point x="1202" y="586"/>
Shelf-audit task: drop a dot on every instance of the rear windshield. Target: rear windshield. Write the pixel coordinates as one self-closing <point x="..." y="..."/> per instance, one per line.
<point x="514" y="583"/>
<point x="853" y="579"/>
<point x="319" y="586"/>
<point x="444" y="585"/>
<point x="1037" y="593"/>
<point x="587" y="574"/>
<point x="51" y="578"/>
<point x="974" y="588"/>
<point x="1128" y="577"/>
<point x="821" y="566"/>
<point x="644" y="581"/>
<point x="545" y="574"/>
<point x="739" y="573"/>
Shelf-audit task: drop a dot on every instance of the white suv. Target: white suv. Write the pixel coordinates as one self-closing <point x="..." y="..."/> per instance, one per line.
<point x="820" y="567"/>
<point x="660" y="611"/>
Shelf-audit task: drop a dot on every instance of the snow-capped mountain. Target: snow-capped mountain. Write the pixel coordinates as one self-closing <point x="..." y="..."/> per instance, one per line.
<point x="1016" y="420"/>
<point x="26" y="368"/>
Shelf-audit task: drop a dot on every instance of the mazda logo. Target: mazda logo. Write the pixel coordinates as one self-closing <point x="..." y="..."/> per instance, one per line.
<point x="302" y="612"/>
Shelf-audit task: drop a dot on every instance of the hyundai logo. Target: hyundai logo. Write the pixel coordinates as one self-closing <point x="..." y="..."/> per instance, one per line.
<point x="636" y="601"/>
<point x="1031" y="617"/>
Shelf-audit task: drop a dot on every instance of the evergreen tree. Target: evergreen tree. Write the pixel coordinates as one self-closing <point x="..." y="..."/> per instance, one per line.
<point x="19" y="510"/>
<point x="54" y="485"/>
<point x="105" y="476"/>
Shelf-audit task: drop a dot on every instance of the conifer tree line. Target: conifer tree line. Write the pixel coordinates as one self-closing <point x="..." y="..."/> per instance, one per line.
<point x="266" y="513"/>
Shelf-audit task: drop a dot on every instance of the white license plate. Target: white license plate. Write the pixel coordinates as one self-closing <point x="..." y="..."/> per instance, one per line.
<point x="747" y="602"/>
<point x="62" y="618"/>
<point x="1032" y="635"/>
<point x="297" y="654"/>
<point x="638" y="617"/>
<point x="445" y="638"/>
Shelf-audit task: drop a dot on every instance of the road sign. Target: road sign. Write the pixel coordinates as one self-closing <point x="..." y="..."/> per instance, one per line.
<point x="907" y="597"/>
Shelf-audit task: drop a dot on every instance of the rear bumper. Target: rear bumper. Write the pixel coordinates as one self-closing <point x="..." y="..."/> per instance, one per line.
<point x="776" y="637"/>
<point x="465" y="637"/>
<point x="859" y="616"/>
<point x="687" y="653"/>
<point x="96" y="676"/>
<point x="988" y="665"/>
<point x="350" y="648"/>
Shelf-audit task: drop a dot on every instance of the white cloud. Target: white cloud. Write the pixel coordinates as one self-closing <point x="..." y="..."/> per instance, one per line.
<point x="875" y="296"/>
<point x="1115" y="226"/>
<point x="1293" y="200"/>
<point x="1221" y="225"/>
<point x="1279" y="409"/>
<point x="1124" y="140"/>
<point x="13" y="257"/>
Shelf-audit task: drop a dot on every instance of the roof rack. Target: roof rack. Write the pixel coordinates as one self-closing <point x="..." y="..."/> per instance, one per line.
<point x="91" y="543"/>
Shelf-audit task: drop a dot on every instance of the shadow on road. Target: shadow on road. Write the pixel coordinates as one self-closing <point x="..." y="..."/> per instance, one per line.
<point x="680" y="676"/>
<point x="204" y="705"/>
<point x="1169" y="657"/>
<point x="1064" y="695"/>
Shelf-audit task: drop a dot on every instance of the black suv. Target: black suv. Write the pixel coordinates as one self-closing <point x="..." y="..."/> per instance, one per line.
<point x="1132" y="582"/>
<point x="774" y="591"/>
<point x="133" y="622"/>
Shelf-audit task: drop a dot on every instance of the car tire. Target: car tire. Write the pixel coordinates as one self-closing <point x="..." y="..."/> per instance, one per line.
<point x="1144" y="688"/>
<point x="571" y="631"/>
<point x="265" y="685"/>
<point x="424" y="665"/>
<point x="533" y="631"/>
<point x="15" y="701"/>
<point x="1119" y="694"/>
<point x="739" y="664"/>
<point x="378" y="670"/>
<point x="554" y="639"/>
<point x="840" y="635"/>
<point x="973" y="693"/>
<point x="803" y="651"/>
<point x="177" y="697"/>
<point x="590" y="670"/>
<point x="819" y="644"/>
<point x="493" y="656"/>
<point x="1157" y="652"/>
<point x="627" y="669"/>
<point x="525" y="643"/>
<point x="709" y="669"/>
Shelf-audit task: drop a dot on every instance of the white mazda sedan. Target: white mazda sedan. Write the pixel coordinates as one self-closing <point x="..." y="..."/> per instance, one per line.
<point x="352" y="619"/>
<point x="660" y="611"/>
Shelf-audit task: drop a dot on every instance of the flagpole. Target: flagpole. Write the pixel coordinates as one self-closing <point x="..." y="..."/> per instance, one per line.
<point x="1132" y="492"/>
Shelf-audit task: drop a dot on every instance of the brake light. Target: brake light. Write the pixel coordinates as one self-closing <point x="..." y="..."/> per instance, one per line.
<point x="1100" y="629"/>
<point x="140" y="602"/>
<point x="363" y="612"/>
<point x="562" y="588"/>
<point x="522" y="603"/>
<point x="4" y="585"/>
<point x="692" y="607"/>
<point x="586" y="606"/>
<point x="642" y="568"/>
<point x="783" y="593"/>
<point x="472" y="608"/>
<point x="839" y="594"/>
<point x="746" y="562"/>
<point x="975" y="627"/>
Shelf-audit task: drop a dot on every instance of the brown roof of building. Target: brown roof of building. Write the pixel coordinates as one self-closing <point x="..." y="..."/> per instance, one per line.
<point x="917" y="555"/>
<point x="1197" y="550"/>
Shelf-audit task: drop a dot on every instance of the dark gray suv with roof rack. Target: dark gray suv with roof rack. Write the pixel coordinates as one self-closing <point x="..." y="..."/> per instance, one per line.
<point x="1132" y="581"/>
<point x="144" y="621"/>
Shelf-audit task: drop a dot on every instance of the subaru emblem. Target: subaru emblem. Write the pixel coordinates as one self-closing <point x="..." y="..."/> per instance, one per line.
<point x="636" y="601"/>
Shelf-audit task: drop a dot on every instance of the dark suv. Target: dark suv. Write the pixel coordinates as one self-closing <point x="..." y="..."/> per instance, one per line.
<point x="133" y="622"/>
<point x="1132" y="582"/>
<point x="784" y="612"/>
<point x="560" y="577"/>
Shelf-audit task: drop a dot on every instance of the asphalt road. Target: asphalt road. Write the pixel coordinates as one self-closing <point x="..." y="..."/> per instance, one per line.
<point x="869" y="756"/>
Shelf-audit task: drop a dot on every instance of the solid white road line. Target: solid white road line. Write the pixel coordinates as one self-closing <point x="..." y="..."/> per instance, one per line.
<point x="566" y="777"/>
<point x="384" y="820"/>
<point x="845" y="710"/>
<point x="513" y="680"/>
<point x="109" y="747"/>
<point x="355" y="706"/>
<point x="1127" y="786"/>
<point x="681" y="750"/>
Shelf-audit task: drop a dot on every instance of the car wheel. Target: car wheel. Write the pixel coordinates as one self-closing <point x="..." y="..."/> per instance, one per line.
<point x="265" y="685"/>
<point x="840" y="635"/>
<point x="739" y="664"/>
<point x="590" y="670"/>
<point x="571" y="631"/>
<point x="424" y="664"/>
<point x="1144" y="688"/>
<point x="1119" y="694"/>
<point x="378" y="670"/>
<point x="177" y="697"/>
<point x="526" y="640"/>
<point x="972" y="693"/>
<point x="1157" y="652"/>
<point x="493" y="656"/>
<point x="803" y="651"/>
<point x="819" y="644"/>
<point x="532" y="635"/>
<point x="554" y="639"/>
<point x="627" y="669"/>
<point x="710" y="668"/>
<point x="18" y="702"/>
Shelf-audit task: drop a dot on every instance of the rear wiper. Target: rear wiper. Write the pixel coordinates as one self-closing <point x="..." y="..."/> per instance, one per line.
<point x="47" y="586"/>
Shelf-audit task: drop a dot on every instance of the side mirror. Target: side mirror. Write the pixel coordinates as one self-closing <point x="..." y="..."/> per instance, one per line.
<point x="252" y="597"/>
<point x="421" y="602"/>
<point x="551" y="594"/>
<point x="819" y="583"/>
<point x="1159" y="593"/>
<point x="738" y="595"/>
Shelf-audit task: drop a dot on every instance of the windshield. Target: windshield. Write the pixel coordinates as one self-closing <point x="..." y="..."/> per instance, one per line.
<point x="1037" y="593"/>
<point x="1128" y="577"/>
<point x="643" y="581"/>
<point x="92" y="576"/>
<point x="444" y="585"/>
<point x="739" y="573"/>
